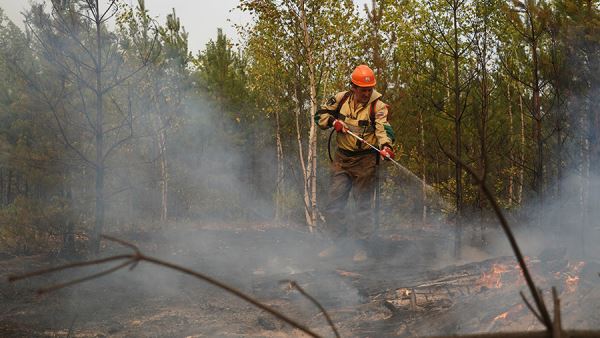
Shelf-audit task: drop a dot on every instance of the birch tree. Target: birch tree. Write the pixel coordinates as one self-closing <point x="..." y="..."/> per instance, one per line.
<point x="160" y="91"/>
<point x="311" y="36"/>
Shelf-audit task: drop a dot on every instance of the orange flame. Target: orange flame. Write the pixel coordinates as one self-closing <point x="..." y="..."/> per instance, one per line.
<point x="510" y="315"/>
<point x="572" y="276"/>
<point x="493" y="278"/>
<point x="501" y="316"/>
<point x="572" y="282"/>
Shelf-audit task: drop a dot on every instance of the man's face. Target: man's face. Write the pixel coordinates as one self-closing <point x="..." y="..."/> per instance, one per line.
<point x="362" y="94"/>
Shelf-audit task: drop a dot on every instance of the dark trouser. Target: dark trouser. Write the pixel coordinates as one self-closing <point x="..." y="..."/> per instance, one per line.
<point x="356" y="174"/>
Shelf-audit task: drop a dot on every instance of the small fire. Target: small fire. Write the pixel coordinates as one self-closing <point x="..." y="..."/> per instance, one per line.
<point x="572" y="276"/>
<point x="512" y="314"/>
<point x="571" y="282"/>
<point x="493" y="278"/>
<point x="501" y="316"/>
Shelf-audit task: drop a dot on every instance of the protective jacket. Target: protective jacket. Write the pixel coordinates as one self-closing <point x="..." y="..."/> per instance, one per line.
<point x="369" y="121"/>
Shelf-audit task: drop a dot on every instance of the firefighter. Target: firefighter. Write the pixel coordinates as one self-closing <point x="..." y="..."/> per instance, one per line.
<point x="354" y="165"/>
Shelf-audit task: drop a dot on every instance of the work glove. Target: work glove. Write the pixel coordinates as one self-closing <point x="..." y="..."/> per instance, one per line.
<point x="339" y="126"/>
<point x="386" y="152"/>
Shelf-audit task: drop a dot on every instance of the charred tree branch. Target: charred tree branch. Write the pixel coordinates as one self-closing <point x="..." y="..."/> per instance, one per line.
<point x="530" y="307"/>
<point x="136" y="257"/>
<point x="296" y="286"/>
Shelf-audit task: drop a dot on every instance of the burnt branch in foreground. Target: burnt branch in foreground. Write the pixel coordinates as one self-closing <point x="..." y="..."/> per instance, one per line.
<point x="537" y="297"/>
<point x="557" y="324"/>
<point x="137" y="256"/>
<point x="530" y="307"/>
<point x="296" y="286"/>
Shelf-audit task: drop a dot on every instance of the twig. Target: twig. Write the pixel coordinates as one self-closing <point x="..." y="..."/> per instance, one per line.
<point x="66" y="267"/>
<point x="122" y="242"/>
<point x="296" y="286"/>
<point x="541" y="297"/>
<point x="557" y="325"/>
<point x="537" y="315"/>
<point x="230" y="289"/>
<point x="511" y="238"/>
<point x="136" y="257"/>
<point x="83" y="279"/>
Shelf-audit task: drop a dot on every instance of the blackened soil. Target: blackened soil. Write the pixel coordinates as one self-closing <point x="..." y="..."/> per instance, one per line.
<point x="152" y="301"/>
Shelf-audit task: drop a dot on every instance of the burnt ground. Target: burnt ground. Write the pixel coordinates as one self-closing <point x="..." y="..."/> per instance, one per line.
<point x="407" y="288"/>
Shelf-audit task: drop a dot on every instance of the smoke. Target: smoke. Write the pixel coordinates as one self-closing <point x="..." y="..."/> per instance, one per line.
<point x="221" y="227"/>
<point x="221" y="179"/>
<point x="224" y="234"/>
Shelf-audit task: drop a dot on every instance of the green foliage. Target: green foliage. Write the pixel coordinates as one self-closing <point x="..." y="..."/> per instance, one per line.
<point x="29" y="226"/>
<point x="222" y="74"/>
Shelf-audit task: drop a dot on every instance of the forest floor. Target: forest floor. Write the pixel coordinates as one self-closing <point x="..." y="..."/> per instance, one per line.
<point x="408" y="287"/>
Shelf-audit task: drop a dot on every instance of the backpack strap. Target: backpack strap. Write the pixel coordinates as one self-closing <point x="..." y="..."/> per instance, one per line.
<point x="341" y="103"/>
<point x="372" y="112"/>
<point x="335" y="113"/>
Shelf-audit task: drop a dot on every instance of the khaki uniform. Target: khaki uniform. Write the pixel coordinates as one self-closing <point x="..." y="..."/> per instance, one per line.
<point x="358" y="120"/>
<point x="354" y="166"/>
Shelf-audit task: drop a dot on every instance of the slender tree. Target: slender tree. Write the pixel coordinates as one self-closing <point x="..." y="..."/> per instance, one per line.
<point x="450" y="34"/>
<point x="529" y="21"/>
<point x="74" y="40"/>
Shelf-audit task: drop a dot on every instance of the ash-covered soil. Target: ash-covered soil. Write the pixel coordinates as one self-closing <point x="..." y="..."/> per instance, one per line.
<point x="407" y="287"/>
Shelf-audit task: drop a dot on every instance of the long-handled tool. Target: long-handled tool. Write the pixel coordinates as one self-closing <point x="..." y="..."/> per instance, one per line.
<point x="407" y="173"/>
<point x="375" y="148"/>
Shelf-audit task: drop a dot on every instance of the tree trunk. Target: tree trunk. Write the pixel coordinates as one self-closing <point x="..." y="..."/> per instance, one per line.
<point x="100" y="170"/>
<point x="161" y="143"/>
<point x="311" y="168"/>
<point x="511" y="177"/>
<point x="521" y="152"/>
<point x="423" y="170"/>
<point x="559" y="159"/>
<point x="303" y="166"/>
<point x="537" y="115"/>
<point x="2" y="200"/>
<point x="9" y="195"/>
<point x="164" y="175"/>
<point x="375" y="43"/>
<point x="457" y="138"/>
<point x="483" y="124"/>
<point x="68" y="249"/>
<point x="279" y="182"/>
<point x="584" y="168"/>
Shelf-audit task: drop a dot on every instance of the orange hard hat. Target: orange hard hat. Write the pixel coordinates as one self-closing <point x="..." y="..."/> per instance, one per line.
<point x="363" y="76"/>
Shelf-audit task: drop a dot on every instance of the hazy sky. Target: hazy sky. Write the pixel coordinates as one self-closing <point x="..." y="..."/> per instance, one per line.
<point x="201" y="18"/>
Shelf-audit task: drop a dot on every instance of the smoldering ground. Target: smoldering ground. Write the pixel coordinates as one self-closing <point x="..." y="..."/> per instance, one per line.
<point x="557" y="238"/>
<point x="251" y="260"/>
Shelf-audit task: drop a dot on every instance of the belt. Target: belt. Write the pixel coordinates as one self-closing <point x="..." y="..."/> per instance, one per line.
<point x="356" y="153"/>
